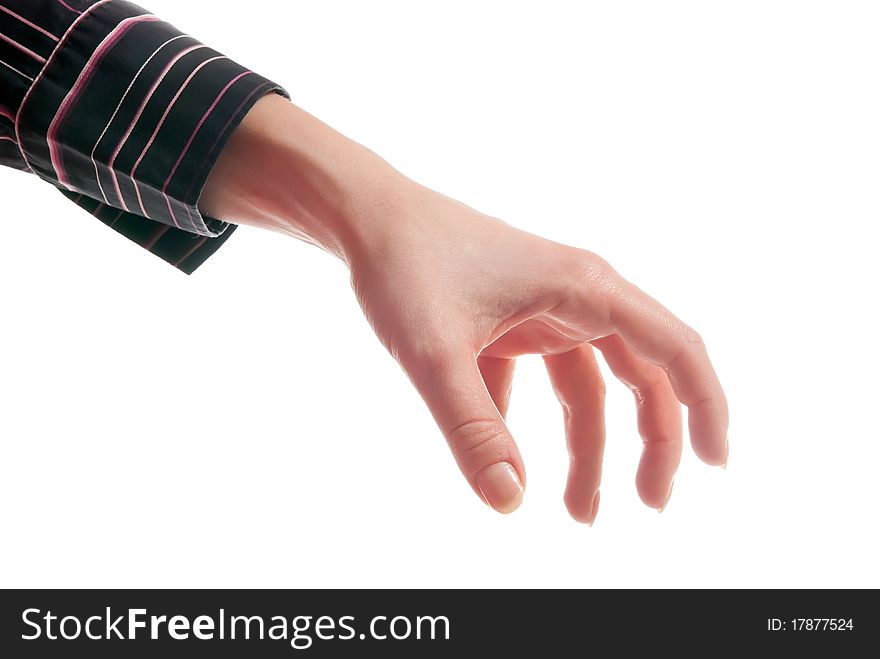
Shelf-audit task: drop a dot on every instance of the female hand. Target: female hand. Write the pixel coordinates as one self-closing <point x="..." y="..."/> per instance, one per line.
<point x="455" y="296"/>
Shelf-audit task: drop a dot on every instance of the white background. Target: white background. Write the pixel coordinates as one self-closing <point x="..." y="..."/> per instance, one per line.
<point x="243" y="427"/>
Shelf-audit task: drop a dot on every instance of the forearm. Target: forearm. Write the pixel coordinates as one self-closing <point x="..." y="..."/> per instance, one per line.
<point x="286" y="171"/>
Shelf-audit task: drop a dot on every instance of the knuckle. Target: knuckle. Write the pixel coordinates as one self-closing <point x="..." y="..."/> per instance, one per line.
<point x="478" y="439"/>
<point x="652" y="382"/>
<point x="686" y="345"/>
<point x="426" y="352"/>
<point x="690" y="347"/>
<point x="665" y="443"/>
<point x="592" y="277"/>
<point x="594" y="267"/>
<point x="693" y="337"/>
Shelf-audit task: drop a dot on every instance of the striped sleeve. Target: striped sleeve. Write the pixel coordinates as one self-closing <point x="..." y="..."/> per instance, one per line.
<point x="123" y="113"/>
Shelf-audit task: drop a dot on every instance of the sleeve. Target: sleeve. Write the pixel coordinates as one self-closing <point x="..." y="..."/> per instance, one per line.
<point x="126" y="115"/>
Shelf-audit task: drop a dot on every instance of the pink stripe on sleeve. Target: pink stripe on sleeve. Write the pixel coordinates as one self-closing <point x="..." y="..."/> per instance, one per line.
<point x="159" y="127"/>
<point x="6" y="113"/>
<point x="199" y="126"/>
<point x="24" y="49"/>
<point x="189" y="143"/>
<point x="75" y="11"/>
<point x="29" y="23"/>
<point x="119" y="106"/>
<point x="84" y="77"/>
<point x="27" y="96"/>
<point x="137" y="117"/>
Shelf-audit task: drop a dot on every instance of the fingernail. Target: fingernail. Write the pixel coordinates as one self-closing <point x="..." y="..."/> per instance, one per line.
<point x="595" y="508"/>
<point x="668" y="494"/>
<point x="726" y="453"/>
<point x="500" y="486"/>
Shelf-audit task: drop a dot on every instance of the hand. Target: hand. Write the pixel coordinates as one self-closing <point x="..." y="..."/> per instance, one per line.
<point x="455" y="296"/>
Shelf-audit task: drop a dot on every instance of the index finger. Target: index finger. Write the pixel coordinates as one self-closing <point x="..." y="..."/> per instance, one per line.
<point x="656" y="335"/>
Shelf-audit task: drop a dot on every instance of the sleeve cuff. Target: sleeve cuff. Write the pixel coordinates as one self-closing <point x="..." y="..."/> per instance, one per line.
<point x="128" y="118"/>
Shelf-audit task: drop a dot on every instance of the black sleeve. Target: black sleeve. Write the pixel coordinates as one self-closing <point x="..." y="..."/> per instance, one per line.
<point x="124" y="113"/>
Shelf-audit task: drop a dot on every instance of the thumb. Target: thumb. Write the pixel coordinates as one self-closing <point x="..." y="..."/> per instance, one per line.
<point x="454" y="390"/>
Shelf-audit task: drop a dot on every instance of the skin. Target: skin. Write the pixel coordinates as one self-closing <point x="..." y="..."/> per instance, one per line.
<point x="456" y="296"/>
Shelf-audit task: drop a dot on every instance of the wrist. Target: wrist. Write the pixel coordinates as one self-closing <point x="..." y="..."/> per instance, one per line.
<point x="286" y="171"/>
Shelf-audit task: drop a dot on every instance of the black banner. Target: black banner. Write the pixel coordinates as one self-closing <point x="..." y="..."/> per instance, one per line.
<point x="334" y="623"/>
